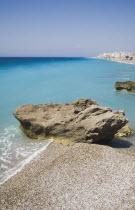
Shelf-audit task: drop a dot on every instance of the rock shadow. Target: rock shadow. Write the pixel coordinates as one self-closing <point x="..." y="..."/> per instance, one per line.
<point x="119" y="143"/>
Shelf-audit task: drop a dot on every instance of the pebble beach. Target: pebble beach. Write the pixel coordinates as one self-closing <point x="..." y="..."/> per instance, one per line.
<point x="82" y="176"/>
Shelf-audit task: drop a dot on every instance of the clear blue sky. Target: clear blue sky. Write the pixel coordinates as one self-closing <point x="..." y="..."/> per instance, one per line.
<point x="66" y="27"/>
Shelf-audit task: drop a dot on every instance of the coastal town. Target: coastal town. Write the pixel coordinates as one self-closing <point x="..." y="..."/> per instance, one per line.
<point x="123" y="57"/>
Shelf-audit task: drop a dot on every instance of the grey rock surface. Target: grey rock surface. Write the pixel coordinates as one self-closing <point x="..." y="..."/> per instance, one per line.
<point x="79" y="121"/>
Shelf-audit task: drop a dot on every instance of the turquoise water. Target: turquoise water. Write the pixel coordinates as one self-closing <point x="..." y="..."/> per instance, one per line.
<point x="56" y="80"/>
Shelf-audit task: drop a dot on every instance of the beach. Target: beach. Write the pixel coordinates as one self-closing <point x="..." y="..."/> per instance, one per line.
<point x="83" y="176"/>
<point x="119" y="60"/>
<point x="47" y="81"/>
<point x="123" y="61"/>
<point x="67" y="119"/>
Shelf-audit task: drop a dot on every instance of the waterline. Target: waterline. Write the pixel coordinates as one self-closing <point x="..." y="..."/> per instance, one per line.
<point x="13" y="171"/>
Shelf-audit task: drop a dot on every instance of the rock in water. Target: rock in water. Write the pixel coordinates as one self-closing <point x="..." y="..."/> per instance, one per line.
<point x="128" y="85"/>
<point x="79" y="121"/>
<point x="125" y="131"/>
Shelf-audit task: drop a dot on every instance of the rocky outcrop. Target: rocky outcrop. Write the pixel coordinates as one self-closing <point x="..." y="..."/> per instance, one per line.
<point x="79" y="121"/>
<point x="125" y="131"/>
<point x="128" y="85"/>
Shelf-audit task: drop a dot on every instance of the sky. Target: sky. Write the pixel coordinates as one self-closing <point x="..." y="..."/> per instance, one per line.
<point x="53" y="28"/>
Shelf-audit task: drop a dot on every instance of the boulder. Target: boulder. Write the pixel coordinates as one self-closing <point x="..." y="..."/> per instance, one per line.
<point x="79" y="121"/>
<point x="128" y="85"/>
<point x="125" y="131"/>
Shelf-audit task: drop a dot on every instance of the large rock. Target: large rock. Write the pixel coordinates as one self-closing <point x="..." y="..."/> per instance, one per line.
<point x="82" y="120"/>
<point x="128" y="85"/>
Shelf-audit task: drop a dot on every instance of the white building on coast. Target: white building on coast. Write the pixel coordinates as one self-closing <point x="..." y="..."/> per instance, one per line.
<point x="118" y="55"/>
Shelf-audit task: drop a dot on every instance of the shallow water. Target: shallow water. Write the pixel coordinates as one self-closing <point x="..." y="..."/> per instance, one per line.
<point x="56" y="80"/>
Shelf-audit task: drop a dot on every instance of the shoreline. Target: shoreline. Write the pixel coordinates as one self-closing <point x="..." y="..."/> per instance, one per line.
<point x="132" y="62"/>
<point x="121" y="144"/>
<point x="78" y="166"/>
<point x="123" y="61"/>
<point x="75" y="177"/>
<point x="18" y="168"/>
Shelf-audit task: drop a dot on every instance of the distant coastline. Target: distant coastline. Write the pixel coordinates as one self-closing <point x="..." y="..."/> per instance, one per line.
<point x="121" y="57"/>
<point x="120" y="60"/>
<point x="124" y="61"/>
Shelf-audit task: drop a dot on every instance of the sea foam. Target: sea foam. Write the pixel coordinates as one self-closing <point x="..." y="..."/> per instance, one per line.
<point x="16" y="151"/>
<point x="13" y="171"/>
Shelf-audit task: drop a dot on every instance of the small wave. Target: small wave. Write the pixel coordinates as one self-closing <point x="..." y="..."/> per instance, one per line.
<point x="7" y="143"/>
<point x="126" y="78"/>
<point x="13" y="171"/>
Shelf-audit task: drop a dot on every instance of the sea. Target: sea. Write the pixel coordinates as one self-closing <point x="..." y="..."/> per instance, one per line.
<point x="55" y="80"/>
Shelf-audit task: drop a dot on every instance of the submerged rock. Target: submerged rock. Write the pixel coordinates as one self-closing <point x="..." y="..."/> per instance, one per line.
<point x="125" y="131"/>
<point x="128" y="85"/>
<point x="79" y="121"/>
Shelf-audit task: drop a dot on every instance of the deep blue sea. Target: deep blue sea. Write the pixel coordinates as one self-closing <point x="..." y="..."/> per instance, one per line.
<point x="56" y="80"/>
